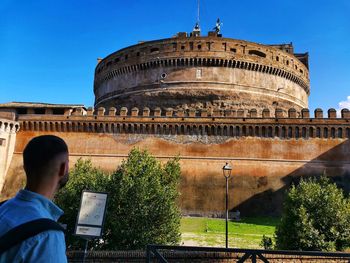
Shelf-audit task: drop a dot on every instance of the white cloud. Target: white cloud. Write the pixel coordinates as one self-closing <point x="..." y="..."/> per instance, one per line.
<point x="343" y="105"/>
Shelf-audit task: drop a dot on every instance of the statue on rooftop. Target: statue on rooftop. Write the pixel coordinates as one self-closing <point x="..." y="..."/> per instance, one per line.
<point x="196" y="30"/>
<point x="218" y="25"/>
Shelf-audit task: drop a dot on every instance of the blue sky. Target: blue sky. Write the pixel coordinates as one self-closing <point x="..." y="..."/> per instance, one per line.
<point x="48" y="48"/>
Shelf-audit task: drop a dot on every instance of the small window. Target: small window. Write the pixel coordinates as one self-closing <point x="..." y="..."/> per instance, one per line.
<point x="325" y="133"/>
<point x="198" y="73"/>
<point x="109" y="63"/>
<point x="174" y="46"/>
<point x="233" y="50"/>
<point x="39" y="111"/>
<point x="154" y="50"/>
<point x="191" y="45"/>
<point x="126" y="57"/>
<point x="199" y="47"/>
<point x="58" y="111"/>
<point x="182" y="47"/>
<point x="277" y="58"/>
<point x="137" y="54"/>
<point x="301" y="71"/>
<point x="208" y="45"/>
<point x="21" y="111"/>
<point x="2" y="142"/>
<point x="287" y="62"/>
<point x="224" y="46"/>
<point x="257" y="53"/>
<point x="116" y="60"/>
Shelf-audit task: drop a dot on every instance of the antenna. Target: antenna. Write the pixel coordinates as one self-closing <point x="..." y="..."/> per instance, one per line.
<point x="197" y="30"/>
<point x="198" y="12"/>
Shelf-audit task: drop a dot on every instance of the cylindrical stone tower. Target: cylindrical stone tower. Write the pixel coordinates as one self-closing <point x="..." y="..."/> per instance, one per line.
<point x="203" y="72"/>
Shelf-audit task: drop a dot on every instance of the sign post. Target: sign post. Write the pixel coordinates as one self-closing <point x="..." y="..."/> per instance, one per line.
<point x="91" y="216"/>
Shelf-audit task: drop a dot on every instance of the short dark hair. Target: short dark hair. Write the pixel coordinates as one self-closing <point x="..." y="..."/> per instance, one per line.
<point x="39" y="152"/>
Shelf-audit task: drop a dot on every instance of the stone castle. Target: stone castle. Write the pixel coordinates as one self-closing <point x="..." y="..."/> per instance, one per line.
<point x="210" y="100"/>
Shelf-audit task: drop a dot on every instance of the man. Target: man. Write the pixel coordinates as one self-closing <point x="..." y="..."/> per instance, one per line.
<point x="45" y="160"/>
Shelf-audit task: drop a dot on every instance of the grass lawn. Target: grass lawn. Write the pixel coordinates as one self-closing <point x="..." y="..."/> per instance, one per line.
<point x="247" y="233"/>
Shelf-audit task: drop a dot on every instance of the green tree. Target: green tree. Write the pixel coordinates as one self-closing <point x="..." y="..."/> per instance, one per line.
<point x="316" y="216"/>
<point x="141" y="206"/>
<point x="82" y="177"/>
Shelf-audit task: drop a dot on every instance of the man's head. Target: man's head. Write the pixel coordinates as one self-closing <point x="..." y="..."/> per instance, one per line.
<point x="45" y="160"/>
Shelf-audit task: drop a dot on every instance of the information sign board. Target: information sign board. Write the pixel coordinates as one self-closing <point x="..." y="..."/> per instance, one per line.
<point x="91" y="214"/>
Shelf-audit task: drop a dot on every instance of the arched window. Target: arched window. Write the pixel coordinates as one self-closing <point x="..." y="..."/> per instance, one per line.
<point x="340" y="133"/>
<point x="244" y="131"/>
<point x="318" y="132"/>
<point x="333" y="132"/>
<point x="225" y="131"/>
<point x="303" y="133"/>
<point x="269" y="132"/>
<point x="257" y="133"/>
<point x="283" y="135"/>
<point x="212" y="130"/>
<point x="297" y="132"/>
<point x="277" y="129"/>
<point x="325" y="133"/>
<point x="232" y="133"/>
<point x="238" y="131"/>
<point x="251" y="133"/>
<point x="218" y="130"/>
<point x="311" y="132"/>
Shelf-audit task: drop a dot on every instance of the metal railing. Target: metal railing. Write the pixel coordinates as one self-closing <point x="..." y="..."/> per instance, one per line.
<point x="157" y="252"/>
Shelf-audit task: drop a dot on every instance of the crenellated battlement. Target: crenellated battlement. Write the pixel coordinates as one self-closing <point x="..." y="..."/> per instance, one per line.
<point x="203" y="113"/>
<point x="204" y="122"/>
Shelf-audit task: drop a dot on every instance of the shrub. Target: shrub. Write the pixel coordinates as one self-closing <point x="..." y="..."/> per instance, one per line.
<point x="141" y="207"/>
<point x="316" y="216"/>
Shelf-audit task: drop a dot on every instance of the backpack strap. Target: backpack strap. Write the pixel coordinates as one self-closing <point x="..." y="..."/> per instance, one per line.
<point x="29" y="229"/>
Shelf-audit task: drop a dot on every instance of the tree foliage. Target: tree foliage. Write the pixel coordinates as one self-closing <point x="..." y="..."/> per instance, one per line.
<point x="141" y="208"/>
<point x="316" y="216"/>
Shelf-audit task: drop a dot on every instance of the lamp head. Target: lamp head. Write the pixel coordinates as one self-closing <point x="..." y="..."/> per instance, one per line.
<point x="227" y="170"/>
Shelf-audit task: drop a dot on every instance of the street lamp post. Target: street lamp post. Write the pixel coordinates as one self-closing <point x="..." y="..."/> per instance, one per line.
<point x="227" y="173"/>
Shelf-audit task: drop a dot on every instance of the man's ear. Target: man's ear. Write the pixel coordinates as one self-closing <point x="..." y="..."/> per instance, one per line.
<point x="62" y="169"/>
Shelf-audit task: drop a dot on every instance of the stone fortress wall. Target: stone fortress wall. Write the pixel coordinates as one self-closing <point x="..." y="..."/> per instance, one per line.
<point x="268" y="150"/>
<point x="203" y="72"/>
<point x="209" y="100"/>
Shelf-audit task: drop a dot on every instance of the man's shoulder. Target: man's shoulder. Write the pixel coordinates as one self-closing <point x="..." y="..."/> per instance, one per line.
<point x="39" y="248"/>
<point x="47" y="244"/>
<point x="14" y="214"/>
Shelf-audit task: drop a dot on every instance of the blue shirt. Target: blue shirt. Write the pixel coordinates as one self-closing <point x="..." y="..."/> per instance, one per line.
<point x="48" y="246"/>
